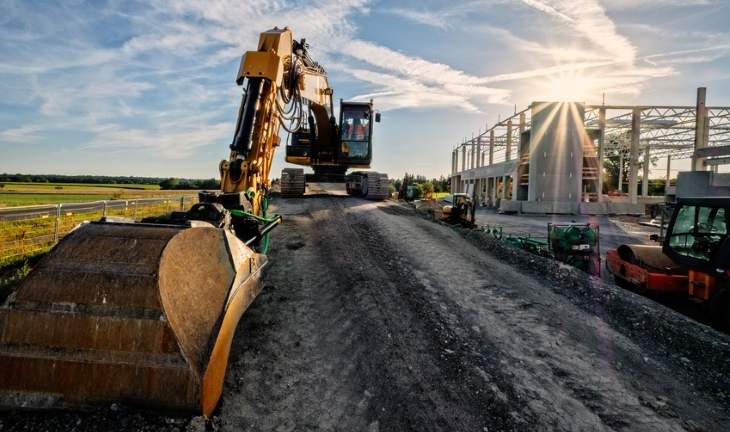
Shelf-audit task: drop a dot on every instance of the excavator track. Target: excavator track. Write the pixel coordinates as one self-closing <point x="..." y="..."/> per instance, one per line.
<point x="127" y="312"/>
<point x="293" y="183"/>
<point x="376" y="186"/>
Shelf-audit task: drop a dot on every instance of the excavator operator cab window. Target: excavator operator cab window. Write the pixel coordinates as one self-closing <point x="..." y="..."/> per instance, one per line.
<point x="698" y="231"/>
<point x="355" y="130"/>
<point x="355" y="124"/>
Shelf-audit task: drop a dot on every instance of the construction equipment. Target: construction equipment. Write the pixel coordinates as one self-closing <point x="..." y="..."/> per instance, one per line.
<point x="461" y="210"/>
<point x="146" y="312"/>
<point x="317" y="140"/>
<point x="694" y="259"/>
<point x="577" y="245"/>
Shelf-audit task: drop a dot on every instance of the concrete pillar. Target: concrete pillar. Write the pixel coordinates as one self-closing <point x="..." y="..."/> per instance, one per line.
<point x="480" y="158"/>
<point x="601" y="150"/>
<point x="645" y="175"/>
<point x="669" y="173"/>
<point x="473" y="153"/>
<point x="516" y="175"/>
<point x="453" y="162"/>
<point x="621" y="170"/>
<point x="494" y="189"/>
<point x="508" y="149"/>
<point x="634" y="154"/>
<point x="698" y="163"/>
<point x="505" y="182"/>
<point x="491" y="147"/>
<point x="522" y="124"/>
<point x="463" y="157"/>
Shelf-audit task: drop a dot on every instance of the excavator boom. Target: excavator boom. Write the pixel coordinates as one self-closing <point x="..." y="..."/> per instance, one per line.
<point x="146" y="312"/>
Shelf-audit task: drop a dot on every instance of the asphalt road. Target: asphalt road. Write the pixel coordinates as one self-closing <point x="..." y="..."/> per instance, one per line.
<point x="16" y="213"/>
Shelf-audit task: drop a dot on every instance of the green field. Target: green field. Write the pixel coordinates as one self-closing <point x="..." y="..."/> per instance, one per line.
<point x="23" y="194"/>
<point x="38" y="185"/>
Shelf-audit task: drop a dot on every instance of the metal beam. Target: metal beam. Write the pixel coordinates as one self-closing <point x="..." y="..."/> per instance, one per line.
<point x="634" y="154"/>
<point x="601" y="150"/>
<point x="717" y="161"/>
<point x="700" y="114"/>
<point x="713" y="151"/>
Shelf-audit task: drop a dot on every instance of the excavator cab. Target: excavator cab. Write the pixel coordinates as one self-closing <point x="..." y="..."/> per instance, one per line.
<point x="350" y="148"/>
<point x="332" y="149"/>
<point x="356" y="127"/>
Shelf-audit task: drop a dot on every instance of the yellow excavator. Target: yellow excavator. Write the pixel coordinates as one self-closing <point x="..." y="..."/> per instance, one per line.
<point x="144" y="313"/>
<point x="329" y="148"/>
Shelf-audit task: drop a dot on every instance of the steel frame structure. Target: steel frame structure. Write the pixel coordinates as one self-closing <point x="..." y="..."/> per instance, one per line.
<point x="666" y="130"/>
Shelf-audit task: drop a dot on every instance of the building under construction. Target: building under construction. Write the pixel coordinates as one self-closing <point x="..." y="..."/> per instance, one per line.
<point x="547" y="157"/>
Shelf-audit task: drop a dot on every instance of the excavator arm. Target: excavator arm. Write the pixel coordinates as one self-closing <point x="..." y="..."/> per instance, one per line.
<point x="146" y="312"/>
<point x="280" y="82"/>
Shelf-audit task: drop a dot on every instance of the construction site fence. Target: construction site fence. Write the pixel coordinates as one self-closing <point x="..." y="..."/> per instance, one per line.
<point x="27" y="231"/>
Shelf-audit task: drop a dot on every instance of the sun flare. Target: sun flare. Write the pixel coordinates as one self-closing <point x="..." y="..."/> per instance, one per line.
<point x="575" y="86"/>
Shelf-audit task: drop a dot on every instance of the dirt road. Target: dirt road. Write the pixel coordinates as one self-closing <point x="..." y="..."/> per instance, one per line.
<point x="375" y="319"/>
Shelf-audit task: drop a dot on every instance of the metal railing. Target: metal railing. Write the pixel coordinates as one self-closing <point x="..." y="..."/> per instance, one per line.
<point x="26" y="231"/>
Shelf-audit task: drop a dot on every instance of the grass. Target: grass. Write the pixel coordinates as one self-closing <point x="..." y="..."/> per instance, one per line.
<point x="440" y="195"/>
<point x="10" y="276"/>
<point x="20" y="194"/>
<point x="20" y="239"/>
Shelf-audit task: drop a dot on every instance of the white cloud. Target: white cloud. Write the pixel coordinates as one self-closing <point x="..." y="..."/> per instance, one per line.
<point x="548" y="9"/>
<point x="689" y="56"/>
<point x="438" y="19"/>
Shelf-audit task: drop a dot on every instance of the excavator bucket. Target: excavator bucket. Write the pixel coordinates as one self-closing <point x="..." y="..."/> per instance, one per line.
<point x="137" y="313"/>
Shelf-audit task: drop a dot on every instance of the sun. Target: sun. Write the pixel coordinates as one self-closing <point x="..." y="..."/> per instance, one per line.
<point x="571" y="86"/>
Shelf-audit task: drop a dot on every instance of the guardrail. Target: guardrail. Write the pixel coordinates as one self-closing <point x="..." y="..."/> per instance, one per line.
<point x="26" y="231"/>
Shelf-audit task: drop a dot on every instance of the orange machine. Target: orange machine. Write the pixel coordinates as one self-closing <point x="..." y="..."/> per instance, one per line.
<point x="694" y="259"/>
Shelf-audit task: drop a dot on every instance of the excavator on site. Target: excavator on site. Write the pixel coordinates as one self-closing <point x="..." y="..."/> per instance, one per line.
<point x="145" y="313"/>
<point x="318" y="141"/>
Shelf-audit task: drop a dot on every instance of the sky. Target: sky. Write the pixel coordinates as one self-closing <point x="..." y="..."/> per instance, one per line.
<point x="148" y="88"/>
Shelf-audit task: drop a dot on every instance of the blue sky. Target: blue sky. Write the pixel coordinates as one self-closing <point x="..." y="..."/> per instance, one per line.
<point x="147" y="88"/>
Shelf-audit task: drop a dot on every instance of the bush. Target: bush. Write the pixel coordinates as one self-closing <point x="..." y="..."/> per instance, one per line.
<point x="169" y="184"/>
<point x="427" y="189"/>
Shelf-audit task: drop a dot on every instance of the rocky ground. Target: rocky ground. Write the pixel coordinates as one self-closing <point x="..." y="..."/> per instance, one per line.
<point x="377" y="319"/>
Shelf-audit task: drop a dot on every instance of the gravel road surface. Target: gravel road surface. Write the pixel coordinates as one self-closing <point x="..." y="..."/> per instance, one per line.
<point x="376" y="319"/>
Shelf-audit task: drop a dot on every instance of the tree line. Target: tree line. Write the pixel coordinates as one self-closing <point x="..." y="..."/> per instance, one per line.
<point x="421" y="186"/>
<point x="164" y="183"/>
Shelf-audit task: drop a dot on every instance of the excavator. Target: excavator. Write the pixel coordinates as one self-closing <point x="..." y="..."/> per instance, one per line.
<point x="331" y="148"/>
<point x="145" y="313"/>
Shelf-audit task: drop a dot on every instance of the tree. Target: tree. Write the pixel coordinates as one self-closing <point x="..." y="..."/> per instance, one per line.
<point x="611" y="166"/>
<point x="208" y="184"/>
<point x="170" y="183"/>
<point x="427" y="189"/>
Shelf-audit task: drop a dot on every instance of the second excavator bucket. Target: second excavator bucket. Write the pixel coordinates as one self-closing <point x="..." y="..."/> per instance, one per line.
<point x="138" y="313"/>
